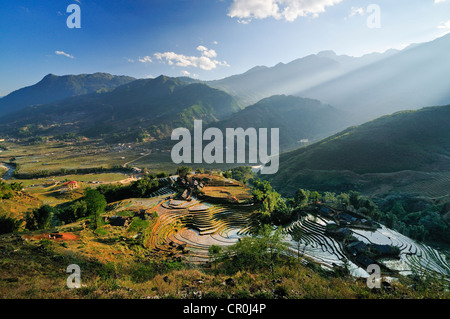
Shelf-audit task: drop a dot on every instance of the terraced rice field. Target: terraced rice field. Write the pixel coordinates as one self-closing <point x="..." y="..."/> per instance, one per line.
<point x="308" y="236"/>
<point x="195" y="226"/>
<point x="414" y="256"/>
<point x="189" y="228"/>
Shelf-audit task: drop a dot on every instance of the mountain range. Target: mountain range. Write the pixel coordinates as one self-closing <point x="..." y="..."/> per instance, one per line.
<point x="53" y="88"/>
<point x="308" y="99"/>
<point x="157" y="105"/>
<point x="366" y="87"/>
<point x="293" y="77"/>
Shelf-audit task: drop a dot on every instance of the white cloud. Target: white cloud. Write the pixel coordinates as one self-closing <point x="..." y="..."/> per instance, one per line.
<point x="439" y="1"/>
<point x="185" y="73"/>
<point x="215" y="42"/>
<point x="145" y="59"/>
<point x="205" y="52"/>
<point x="444" y="25"/>
<point x="205" y="62"/>
<point x="246" y="10"/>
<point x="354" y="11"/>
<point x="65" y="54"/>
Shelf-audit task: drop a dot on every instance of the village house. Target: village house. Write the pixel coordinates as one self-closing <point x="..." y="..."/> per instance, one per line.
<point x="71" y="185"/>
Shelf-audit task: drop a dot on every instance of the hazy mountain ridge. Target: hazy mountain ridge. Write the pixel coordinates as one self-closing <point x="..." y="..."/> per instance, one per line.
<point x="367" y="87"/>
<point x="404" y="141"/>
<point x="290" y="78"/>
<point x="297" y="118"/>
<point x="413" y="78"/>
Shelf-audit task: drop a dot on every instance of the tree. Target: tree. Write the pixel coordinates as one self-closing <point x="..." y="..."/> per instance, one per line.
<point x="183" y="171"/>
<point x="74" y="212"/>
<point x="162" y="174"/>
<point x="95" y="204"/>
<point x="353" y="199"/>
<point x="329" y="197"/>
<point x="343" y="199"/>
<point x="259" y="251"/>
<point x="39" y="218"/>
<point x="315" y="197"/>
<point x="214" y="253"/>
<point x="8" y="225"/>
<point x="301" y="197"/>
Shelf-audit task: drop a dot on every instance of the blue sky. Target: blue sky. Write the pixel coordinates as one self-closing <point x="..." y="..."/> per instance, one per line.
<point x="208" y="39"/>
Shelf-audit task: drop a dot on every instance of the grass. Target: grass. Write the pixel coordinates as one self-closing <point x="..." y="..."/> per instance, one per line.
<point x="115" y="265"/>
<point x="37" y="270"/>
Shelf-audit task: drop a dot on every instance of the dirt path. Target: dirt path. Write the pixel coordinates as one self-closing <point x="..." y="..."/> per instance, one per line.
<point x="127" y="163"/>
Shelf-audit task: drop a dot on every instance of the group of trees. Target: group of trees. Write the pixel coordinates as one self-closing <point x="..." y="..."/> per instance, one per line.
<point x="92" y="205"/>
<point x="241" y="173"/>
<point x="137" y="189"/>
<point x="127" y="136"/>
<point x="278" y="210"/>
<point x="261" y="251"/>
<point x="8" y="190"/>
<point x="422" y="224"/>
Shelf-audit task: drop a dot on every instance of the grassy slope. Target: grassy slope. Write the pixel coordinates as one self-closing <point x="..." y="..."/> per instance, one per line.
<point x="413" y="140"/>
<point x="115" y="268"/>
<point x="296" y="118"/>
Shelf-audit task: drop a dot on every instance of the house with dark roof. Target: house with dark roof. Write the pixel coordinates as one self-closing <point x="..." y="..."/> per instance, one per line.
<point x="357" y="247"/>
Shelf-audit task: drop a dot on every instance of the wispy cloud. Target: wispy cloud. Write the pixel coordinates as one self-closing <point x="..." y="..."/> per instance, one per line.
<point x="439" y="1"/>
<point x="444" y="25"/>
<point x="289" y="10"/>
<point x="356" y="11"/>
<point x="206" y="61"/>
<point x="65" y="54"/>
<point x="145" y="59"/>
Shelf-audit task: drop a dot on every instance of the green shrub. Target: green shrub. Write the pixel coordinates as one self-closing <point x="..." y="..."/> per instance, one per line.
<point x="8" y="225"/>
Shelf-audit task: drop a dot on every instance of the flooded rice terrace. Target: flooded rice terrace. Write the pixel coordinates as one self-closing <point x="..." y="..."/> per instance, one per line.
<point x="307" y="236"/>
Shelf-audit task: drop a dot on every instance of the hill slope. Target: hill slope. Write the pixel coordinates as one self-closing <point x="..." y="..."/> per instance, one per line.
<point x="52" y="88"/>
<point x="156" y="105"/>
<point x="298" y="119"/>
<point x="413" y="78"/>
<point x="412" y="140"/>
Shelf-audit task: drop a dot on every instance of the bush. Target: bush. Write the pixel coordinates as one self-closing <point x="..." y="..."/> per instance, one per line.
<point x="39" y="218"/>
<point x="8" y="225"/>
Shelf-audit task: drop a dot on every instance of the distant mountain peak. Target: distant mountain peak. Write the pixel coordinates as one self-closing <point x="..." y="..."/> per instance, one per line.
<point x="327" y="54"/>
<point x="53" y="87"/>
